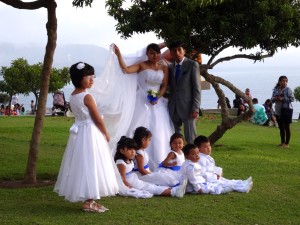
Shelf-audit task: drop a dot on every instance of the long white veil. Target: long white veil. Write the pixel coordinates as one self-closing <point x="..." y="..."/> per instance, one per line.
<point x="115" y="94"/>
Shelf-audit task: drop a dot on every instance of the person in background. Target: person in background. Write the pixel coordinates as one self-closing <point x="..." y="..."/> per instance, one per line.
<point x="14" y="99"/>
<point x="22" y="111"/>
<point x="270" y="112"/>
<point x="17" y="109"/>
<point x="259" y="117"/>
<point x="247" y="92"/>
<point x="2" y="110"/>
<point x="32" y="105"/>
<point x="238" y="103"/>
<point x="227" y="103"/>
<point x="283" y="97"/>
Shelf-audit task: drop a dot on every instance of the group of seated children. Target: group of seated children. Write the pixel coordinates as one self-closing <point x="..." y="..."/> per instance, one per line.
<point x="188" y="168"/>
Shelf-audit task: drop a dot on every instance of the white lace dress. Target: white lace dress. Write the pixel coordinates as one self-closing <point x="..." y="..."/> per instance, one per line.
<point x="86" y="170"/>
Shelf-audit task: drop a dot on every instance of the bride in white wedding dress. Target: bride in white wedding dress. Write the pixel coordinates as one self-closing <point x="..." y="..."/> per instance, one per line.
<point x="124" y="103"/>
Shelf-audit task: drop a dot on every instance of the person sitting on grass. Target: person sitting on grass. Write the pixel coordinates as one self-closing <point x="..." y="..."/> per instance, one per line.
<point x="142" y="137"/>
<point x="270" y="112"/>
<point x="124" y="157"/>
<point x="213" y="173"/>
<point x="192" y="171"/>
<point x="259" y="117"/>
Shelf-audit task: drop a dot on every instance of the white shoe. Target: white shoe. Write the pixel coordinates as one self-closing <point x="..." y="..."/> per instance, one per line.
<point x="249" y="179"/>
<point x="249" y="187"/>
<point x="180" y="191"/>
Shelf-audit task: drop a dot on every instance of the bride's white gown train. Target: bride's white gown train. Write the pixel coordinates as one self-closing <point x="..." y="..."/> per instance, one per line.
<point x="122" y="101"/>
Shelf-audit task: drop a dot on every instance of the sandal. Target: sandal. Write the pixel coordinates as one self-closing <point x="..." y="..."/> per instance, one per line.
<point x="93" y="207"/>
<point x="103" y="207"/>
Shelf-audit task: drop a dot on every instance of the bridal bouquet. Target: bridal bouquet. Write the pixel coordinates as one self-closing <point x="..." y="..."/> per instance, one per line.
<point x="152" y="95"/>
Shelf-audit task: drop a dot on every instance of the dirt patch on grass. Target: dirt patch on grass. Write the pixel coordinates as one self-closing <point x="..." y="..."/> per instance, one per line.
<point x="22" y="184"/>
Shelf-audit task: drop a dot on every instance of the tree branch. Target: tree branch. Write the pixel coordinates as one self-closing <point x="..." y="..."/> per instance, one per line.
<point x="241" y="56"/>
<point x="26" y="5"/>
<point x="217" y="53"/>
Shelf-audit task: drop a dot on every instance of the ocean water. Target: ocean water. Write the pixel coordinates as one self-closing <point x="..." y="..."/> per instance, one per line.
<point x="260" y="80"/>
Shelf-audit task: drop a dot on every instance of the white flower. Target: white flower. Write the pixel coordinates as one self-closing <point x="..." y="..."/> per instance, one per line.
<point x="153" y="93"/>
<point x="80" y="66"/>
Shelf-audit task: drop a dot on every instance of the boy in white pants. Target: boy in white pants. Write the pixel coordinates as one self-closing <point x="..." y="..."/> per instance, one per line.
<point x="213" y="173"/>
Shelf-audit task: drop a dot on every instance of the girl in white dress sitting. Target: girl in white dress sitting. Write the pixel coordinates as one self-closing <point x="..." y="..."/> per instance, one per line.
<point x="213" y="173"/>
<point x="86" y="171"/>
<point x="124" y="159"/>
<point x="142" y="137"/>
<point x="175" y="158"/>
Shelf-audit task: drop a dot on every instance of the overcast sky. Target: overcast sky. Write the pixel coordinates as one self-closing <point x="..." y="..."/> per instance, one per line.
<point x="75" y="26"/>
<point x="85" y="26"/>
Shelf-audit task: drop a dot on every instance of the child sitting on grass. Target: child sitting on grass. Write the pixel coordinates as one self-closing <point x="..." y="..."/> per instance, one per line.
<point x="214" y="174"/>
<point x="142" y="137"/>
<point x="175" y="158"/>
<point x="124" y="159"/>
<point x="191" y="170"/>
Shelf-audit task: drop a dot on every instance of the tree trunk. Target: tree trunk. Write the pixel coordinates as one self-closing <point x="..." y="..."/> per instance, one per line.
<point x="227" y="122"/>
<point x="30" y="174"/>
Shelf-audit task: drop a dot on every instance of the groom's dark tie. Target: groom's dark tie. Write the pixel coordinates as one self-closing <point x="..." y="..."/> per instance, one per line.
<point x="177" y="71"/>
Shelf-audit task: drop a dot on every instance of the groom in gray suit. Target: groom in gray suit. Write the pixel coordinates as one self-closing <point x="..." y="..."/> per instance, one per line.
<point x="185" y="91"/>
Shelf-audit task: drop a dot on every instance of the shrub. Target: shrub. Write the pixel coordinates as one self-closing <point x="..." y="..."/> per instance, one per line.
<point x="297" y="93"/>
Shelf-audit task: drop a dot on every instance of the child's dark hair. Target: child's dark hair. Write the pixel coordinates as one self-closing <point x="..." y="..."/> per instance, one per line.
<point x="80" y="70"/>
<point x="154" y="47"/>
<point x="200" y="140"/>
<point x="176" y="44"/>
<point x="139" y="134"/>
<point x="124" y="142"/>
<point x="188" y="148"/>
<point x="175" y="136"/>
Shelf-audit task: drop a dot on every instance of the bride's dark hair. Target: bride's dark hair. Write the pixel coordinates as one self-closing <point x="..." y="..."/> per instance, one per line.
<point x="154" y="47"/>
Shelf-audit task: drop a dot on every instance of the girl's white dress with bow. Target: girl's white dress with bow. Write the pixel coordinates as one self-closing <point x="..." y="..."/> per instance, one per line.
<point x="87" y="169"/>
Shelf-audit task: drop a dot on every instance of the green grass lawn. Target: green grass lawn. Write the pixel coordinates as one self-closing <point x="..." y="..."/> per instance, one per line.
<point x="246" y="150"/>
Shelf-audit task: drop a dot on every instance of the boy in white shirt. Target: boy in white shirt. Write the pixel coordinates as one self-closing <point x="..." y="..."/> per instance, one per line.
<point x="213" y="173"/>
<point x="192" y="171"/>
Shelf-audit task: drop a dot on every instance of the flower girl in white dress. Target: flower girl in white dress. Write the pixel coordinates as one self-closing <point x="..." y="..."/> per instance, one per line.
<point x="142" y="137"/>
<point x="86" y="171"/>
<point x="174" y="160"/>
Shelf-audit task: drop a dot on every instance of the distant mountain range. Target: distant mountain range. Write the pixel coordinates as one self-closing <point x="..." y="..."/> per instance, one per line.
<point x="65" y="55"/>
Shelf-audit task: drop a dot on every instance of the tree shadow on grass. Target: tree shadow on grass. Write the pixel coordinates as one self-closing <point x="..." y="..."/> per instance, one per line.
<point x="22" y="184"/>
